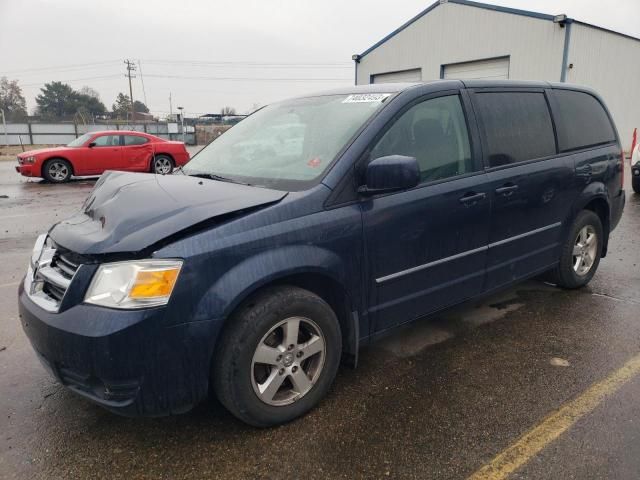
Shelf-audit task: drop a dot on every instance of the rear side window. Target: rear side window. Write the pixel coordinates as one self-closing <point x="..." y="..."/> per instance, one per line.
<point x="134" y="140"/>
<point x="517" y="126"/>
<point x="107" y="141"/>
<point x="581" y="121"/>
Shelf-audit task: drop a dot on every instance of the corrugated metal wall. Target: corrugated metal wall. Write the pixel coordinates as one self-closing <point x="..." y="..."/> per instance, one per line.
<point x="453" y="33"/>
<point x="610" y="64"/>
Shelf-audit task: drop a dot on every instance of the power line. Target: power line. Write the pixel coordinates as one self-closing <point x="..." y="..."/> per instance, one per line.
<point x="275" y="79"/>
<point x="72" y="80"/>
<point x="195" y="63"/>
<point x="61" y="68"/>
<point x="186" y="77"/>
<point x="144" y="92"/>
<point x="251" y="64"/>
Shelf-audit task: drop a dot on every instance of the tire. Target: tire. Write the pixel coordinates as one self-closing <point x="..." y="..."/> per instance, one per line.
<point x="241" y="371"/>
<point x="57" y="170"/>
<point x="161" y="164"/>
<point x="575" y="271"/>
<point x="635" y="184"/>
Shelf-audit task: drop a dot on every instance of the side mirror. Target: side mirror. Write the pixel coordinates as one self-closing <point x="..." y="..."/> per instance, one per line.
<point x="387" y="174"/>
<point x="91" y="145"/>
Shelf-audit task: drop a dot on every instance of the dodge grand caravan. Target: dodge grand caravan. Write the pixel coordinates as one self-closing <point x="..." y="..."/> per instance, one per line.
<point x="309" y="229"/>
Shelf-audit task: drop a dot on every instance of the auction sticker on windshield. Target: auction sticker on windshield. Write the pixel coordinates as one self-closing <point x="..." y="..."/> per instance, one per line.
<point x="366" y="97"/>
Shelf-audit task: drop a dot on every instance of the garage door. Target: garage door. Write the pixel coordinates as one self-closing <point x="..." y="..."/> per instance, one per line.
<point x="414" y="75"/>
<point x="493" y="68"/>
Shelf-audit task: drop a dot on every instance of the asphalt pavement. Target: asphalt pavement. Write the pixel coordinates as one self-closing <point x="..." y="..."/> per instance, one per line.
<point x="534" y="382"/>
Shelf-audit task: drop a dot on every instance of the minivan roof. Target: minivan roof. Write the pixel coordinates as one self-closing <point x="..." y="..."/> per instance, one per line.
<point x="451" y="83"/>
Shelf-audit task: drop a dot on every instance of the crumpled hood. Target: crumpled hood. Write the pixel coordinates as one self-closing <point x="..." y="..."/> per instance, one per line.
<point x="127" y="212"/>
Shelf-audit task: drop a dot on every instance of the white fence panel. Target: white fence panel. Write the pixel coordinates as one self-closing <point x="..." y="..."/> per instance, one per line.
<point x="53" y="128"/>
<point x="44" y="139"/>
<point x="17" y="128"/>
<point x="63" y="133"/>
<point x="94" y="128"/>
<point x="12" y="139"/>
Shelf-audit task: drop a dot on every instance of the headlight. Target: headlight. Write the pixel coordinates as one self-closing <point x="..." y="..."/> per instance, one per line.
<point x="136" y="284"/>
<point x="30" y="160"/>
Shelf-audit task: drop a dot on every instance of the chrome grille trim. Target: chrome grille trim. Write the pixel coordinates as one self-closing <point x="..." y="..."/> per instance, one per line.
<point x="68" y="267"/>
<point x="49" y="275"/>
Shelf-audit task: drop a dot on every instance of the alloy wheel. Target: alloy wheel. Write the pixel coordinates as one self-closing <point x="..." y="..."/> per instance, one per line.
<point x="288" y="361"/>
<point x="585" y="250"/>
<point x="59" y="171"/>
<point x="162" y="165"/>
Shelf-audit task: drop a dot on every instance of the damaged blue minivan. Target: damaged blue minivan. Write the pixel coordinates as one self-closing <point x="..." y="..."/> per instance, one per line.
<point x="312" y="227"/>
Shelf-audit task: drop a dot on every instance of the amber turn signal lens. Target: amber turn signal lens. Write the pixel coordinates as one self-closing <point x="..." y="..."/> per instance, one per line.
<point x="149" y="284"/>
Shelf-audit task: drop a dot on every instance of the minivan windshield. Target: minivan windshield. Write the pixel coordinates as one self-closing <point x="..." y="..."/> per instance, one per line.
<point x="287" y="145"/>
<point x="80" y="141"/>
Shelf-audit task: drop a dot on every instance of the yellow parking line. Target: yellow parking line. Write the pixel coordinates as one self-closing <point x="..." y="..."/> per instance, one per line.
<point x="554" y="425"/>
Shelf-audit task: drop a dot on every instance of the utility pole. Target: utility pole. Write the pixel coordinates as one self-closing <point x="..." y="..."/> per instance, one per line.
<point x="4" y="125"/>
<point x="130" y="68"/>
<point x="182" y="123"/>
<point x="170" y="108"/>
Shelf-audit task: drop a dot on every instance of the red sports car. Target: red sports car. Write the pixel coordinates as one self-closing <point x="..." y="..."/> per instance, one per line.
<point x="95" y="152"/>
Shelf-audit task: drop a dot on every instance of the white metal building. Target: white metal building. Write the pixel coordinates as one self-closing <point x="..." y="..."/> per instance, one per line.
<point x="465" y="39"/>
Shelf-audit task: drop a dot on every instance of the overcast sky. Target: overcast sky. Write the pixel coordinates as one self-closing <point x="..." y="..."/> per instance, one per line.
<point x="192" y="48"/>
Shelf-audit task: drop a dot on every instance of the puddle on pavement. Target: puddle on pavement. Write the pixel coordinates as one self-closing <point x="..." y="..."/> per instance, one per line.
<point x="413" y="339"/>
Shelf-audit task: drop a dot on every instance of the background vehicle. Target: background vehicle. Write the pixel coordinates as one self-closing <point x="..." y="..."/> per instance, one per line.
<point x="635" y="169"/>
<point x="95" y="152"/>
<point x="257" y="275"/>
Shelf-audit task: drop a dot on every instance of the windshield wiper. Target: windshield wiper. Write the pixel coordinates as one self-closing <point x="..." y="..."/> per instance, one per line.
<point x="213" y="176"/>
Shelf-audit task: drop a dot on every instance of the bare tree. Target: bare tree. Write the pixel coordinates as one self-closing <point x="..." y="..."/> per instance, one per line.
<point x="11" y="99"/>
<point x="226" y="111"/>
<point x="89" y="92"/>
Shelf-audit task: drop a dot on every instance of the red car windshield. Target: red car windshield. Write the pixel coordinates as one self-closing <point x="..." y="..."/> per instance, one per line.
<point x="81" y="140"/>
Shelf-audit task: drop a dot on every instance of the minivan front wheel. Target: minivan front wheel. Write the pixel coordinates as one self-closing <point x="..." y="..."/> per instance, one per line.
<point x="278" y="357"/>
<point x="581" y="252"/>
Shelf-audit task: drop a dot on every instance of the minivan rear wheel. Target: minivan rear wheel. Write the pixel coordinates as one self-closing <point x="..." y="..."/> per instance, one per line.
<point x="635" y="183"/>
<point x="278" y="357"/>
<point x="581" y="252"/>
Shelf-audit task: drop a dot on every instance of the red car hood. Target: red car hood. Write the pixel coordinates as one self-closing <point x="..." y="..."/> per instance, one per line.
<point x="32" y="153"/>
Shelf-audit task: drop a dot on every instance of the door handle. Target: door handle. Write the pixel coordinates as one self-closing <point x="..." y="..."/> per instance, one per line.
<point x="507" y="190"/>
<point x="471" y="198"/>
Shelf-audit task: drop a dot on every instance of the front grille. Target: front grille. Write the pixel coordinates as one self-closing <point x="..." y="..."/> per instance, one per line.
<point x="49" y="278"/>
<point x="53" y="291"/>
<point x="64" y="265"/>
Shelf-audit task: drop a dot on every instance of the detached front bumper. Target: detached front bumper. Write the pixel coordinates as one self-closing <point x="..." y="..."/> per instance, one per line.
<point x="124" y="360"/>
